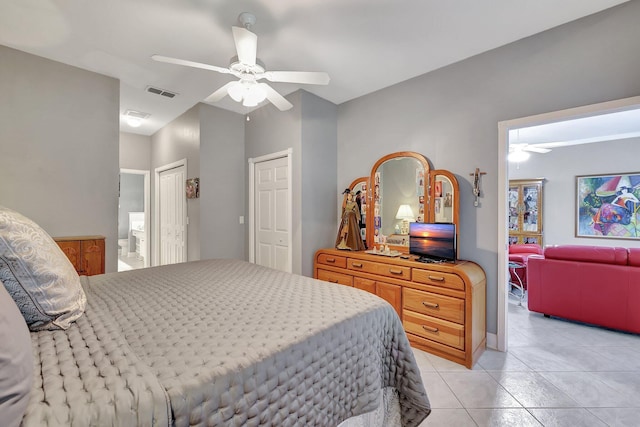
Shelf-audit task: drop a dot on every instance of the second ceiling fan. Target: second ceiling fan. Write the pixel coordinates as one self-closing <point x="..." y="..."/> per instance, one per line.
<point x="249" y="70"/>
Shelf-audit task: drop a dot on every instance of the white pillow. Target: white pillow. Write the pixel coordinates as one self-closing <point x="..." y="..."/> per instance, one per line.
<point x="37" y="274"/>
<point x="16" y="362"/>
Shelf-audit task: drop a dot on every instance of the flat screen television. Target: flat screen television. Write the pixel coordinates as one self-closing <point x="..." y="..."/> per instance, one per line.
<point x="433" y="242"/>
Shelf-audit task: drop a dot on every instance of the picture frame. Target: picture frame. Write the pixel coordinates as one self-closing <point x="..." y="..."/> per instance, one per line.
<point x="448" y="200"/>
<point x="193" y="188"/>
<point x="438" y="189"/>
<point x="608" y="206"/>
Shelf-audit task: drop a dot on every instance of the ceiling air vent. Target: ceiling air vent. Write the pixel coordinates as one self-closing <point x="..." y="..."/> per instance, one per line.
<point x="161" y="92"/>
<point x="136" y="114"/>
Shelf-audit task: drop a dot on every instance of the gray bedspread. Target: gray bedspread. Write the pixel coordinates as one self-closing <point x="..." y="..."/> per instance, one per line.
<point x="228" y="343"/>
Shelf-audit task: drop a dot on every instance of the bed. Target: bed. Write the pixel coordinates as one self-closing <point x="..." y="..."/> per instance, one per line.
<point x="224" y="343"/>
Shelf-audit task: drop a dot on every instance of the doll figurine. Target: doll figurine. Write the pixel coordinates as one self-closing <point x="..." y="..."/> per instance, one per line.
<point x="349" y="231"/>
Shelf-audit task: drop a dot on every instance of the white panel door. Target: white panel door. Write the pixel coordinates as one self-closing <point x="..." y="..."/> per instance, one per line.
<point x="272" y="214"/>
<point x="173" y="216"/>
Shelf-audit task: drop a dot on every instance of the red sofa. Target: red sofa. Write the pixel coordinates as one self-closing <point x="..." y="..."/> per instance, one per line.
<point x="590" y="284"/>
<point x="520" y="253"/>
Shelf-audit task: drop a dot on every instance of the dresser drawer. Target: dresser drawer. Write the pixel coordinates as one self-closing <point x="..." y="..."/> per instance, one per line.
<point x="437" y="278"/>
<point x="379" y="268"/>
<point x="365" y="284"/>
<point x="336" y="261"/>
<point x="432" y="328"/>
<point x="431" y="304"/>
<point x="333" y="277"/>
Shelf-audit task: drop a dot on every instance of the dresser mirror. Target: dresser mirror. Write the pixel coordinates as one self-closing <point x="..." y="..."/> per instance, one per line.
<point x="401" y="189"/>
<point x="359" y="188"/>
<point x="444" y="197"/>
<point x="396" y="198"/>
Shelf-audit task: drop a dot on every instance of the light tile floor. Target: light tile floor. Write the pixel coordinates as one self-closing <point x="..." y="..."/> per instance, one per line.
<point x="126" y="263"/>
<point x="556" y="373"/>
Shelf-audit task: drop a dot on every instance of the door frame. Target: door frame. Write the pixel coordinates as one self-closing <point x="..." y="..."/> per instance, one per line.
<point x="147" y="203"/>
<point x="156" y="210"/>
<point x="288" y="153"/>
<point x="503" y="186"/>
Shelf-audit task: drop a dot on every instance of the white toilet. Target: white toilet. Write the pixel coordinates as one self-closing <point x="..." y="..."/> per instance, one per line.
<point x="123" y="245"/>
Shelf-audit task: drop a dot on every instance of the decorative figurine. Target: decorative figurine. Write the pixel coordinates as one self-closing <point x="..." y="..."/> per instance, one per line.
<point x="349" y="231"/>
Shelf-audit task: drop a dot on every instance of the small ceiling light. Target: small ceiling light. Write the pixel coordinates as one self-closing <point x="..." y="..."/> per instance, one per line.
<point x="135" y="118"/>
<point x="134" y="122"/>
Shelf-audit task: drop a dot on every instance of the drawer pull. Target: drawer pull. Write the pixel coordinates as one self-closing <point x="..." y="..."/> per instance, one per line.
<point x="331" y="260"/>
<point x="333" y="281"/>
<point x="430" y="304"/>
<point x="357" y="264"/>
<point x="436" y="278"/>
<point x="430" y="329"/>
<point x="392" y="271"/>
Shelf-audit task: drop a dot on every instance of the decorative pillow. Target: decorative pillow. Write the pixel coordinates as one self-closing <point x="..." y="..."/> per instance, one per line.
<point x="16" y="362"/>
<point x="37" y="274"/>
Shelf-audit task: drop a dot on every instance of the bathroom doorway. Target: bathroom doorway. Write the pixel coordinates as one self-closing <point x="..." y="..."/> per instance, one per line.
<point x="133" y="220"/>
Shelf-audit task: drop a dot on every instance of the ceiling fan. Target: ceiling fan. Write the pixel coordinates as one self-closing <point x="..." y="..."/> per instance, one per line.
<point x="249" y="70"/>
<point x="520" y="152"/>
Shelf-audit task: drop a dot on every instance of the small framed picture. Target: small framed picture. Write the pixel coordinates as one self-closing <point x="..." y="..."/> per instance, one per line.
<point x="447" y="200"/>
<point x="438" y="189"/>
<point x="193" y="188"/>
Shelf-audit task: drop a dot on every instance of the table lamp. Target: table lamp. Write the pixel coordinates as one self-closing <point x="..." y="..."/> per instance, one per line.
<point x="405" y="214"/>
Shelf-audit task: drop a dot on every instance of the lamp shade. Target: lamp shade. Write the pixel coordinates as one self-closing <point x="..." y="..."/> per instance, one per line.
<point x="405" y="212"/>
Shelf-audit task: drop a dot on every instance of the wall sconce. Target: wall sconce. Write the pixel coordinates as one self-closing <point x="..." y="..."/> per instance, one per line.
<point x="406" y="215"/>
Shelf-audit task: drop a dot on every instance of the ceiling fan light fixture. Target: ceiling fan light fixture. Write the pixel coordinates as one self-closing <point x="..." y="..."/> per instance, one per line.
<point x="518" y="156"/>
<point x="254" y="94"/>
<point x="236" y="92"/>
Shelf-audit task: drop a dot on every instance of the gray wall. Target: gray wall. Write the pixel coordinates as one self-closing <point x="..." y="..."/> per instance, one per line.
<point x="451" y="115"/>
<point x="222" y="183"/>
<point x="135" y="151"/>
<point x="318" y="168"/>
<point x="59" y="129"/>
<point x="179" y="140"/>
<point x="269" y="131"/>
<point x="309" y="128"/>
<point x="560" y="168"/>
<point x="131" y="200"/>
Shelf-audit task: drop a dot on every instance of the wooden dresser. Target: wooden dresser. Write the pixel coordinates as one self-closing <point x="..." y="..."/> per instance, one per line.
<point x="86" y="253"/>
<point x="442" y="306"/>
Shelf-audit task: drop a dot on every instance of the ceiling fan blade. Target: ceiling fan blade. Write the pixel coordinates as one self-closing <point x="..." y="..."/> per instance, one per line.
<point x="220" y="93"/>
<point x="304" y="77"/>
<point x="246" y="45"/>
<point x="275" y="98"/>
<point x="186" y="63"/>
<point x="535" y="149"/>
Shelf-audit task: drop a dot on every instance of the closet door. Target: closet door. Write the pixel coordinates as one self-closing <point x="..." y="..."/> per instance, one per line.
<point x="173" y="216"/>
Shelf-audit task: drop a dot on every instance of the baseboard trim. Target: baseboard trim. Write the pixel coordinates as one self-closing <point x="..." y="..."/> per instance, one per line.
<point x="492" y="341"/>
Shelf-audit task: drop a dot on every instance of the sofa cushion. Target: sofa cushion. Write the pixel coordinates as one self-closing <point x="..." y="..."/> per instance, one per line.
<point x="525" y="248"/>
<point x="634" y="257"/>
<point x="599" y="254"/>
<point x="16" y="362"/>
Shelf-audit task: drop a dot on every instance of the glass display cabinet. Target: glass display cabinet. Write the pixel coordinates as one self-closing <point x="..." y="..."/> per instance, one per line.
<point x="525" y="211"/>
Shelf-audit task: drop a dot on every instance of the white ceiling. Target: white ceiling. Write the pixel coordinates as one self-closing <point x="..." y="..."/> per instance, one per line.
<point x="586" y="130"/>
<point x="364" y="45"/>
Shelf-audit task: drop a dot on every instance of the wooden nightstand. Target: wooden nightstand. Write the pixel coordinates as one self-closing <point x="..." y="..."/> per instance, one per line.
<point x="86" y="253"/>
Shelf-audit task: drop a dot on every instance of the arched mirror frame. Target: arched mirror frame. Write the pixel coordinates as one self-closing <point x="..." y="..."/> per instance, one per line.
<point x="455" y="197"/>
<point x="371" y="196"/>
<point x="362" y="184"/>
